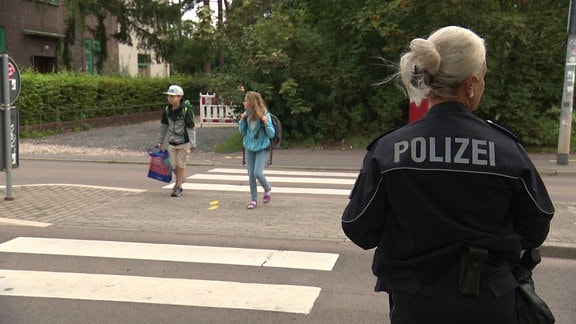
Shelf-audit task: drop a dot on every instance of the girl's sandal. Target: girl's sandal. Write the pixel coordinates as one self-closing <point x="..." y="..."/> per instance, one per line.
<point x="267" y="196"/>
<point x="252" y="204"/>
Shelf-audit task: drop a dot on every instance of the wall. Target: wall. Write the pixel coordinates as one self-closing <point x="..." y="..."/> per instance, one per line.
<point x="128" y="62"/>
<point x="33" y="31"/>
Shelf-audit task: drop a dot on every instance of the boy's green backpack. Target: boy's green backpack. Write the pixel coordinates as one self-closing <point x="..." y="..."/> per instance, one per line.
<point x="187" y="105"/>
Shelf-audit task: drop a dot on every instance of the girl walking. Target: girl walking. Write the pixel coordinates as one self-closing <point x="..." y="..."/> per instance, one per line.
<point x="257" y="128"/>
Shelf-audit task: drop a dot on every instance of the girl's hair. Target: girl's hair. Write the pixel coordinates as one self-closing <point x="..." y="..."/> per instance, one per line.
<point x="257" y="103"/>
<point x="436" y="67"/>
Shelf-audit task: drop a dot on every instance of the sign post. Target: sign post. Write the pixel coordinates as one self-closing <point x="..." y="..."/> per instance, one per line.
<point x="9" y="91"/>
<point x="563" y="152"/>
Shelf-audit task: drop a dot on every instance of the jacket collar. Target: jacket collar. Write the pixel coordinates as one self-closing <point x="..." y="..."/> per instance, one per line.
<point x="447" y="107"/>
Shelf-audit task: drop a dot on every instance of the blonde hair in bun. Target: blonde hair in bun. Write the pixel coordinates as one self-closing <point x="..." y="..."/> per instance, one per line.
<point x="435" y="67"/>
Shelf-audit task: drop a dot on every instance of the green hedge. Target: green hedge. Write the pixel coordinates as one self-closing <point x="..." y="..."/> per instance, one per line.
<point x="53" y="98"/>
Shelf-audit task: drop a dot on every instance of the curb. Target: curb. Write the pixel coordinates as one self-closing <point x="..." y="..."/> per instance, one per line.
<point x="558" y="250"/>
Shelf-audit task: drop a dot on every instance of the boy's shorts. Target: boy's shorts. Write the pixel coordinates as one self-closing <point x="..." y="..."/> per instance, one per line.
<point x="178" y="155"/>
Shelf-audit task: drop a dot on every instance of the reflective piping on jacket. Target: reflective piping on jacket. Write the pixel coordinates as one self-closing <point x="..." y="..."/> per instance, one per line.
<point x="449" y="170"/>
<point x="368" y="204"/>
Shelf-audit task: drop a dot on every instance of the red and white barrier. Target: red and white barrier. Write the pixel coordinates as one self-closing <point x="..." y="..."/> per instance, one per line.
<point x="214" y="113"/>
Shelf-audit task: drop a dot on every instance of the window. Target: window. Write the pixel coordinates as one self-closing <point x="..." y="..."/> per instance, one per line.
<point x="143" y="65"/>
<point x="50" y="2"/>
<point x="96" y="56"/>
<point x="88" y="57"/>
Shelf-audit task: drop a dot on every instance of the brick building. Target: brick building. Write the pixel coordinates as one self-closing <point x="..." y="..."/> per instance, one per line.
<point x="35" y="31"/>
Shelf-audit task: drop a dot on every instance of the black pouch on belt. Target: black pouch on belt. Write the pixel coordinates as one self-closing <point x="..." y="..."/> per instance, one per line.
<point x="472" y="263"/>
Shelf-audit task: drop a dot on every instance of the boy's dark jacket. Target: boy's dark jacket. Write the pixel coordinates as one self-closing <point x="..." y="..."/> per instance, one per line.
<point x="178" y="124"/>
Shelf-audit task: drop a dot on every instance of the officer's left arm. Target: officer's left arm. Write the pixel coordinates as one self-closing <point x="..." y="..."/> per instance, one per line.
<point x="532" y="209"/>
<point x="364" y="217"/>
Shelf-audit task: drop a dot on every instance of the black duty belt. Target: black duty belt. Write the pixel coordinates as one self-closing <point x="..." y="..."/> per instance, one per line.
<point x="472" y="263"/>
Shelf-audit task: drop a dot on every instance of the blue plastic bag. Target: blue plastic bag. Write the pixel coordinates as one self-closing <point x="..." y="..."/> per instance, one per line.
<point x="160" y="168"/>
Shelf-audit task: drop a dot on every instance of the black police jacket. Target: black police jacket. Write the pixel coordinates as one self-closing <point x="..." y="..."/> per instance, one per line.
<point x="432" y="187"/>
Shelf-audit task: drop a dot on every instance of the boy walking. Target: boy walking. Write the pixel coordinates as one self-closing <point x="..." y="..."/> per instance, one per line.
<point x="178" y="123"/>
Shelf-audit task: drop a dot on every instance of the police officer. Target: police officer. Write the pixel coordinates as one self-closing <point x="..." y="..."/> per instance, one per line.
<point x="449" y="201"/>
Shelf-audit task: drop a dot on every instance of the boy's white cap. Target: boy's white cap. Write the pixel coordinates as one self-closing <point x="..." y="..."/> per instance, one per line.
<point x="175" y="90"/>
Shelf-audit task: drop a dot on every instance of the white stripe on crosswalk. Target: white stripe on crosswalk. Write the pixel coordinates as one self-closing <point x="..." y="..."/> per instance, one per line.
<point x="303" y="177"/>
<point x="19" y="222"/>
<point x="291" y="173"/>
<point x="273" y="179"/>
<point x="246" y="188"/>
<point x="172" y="252"/>
<point x="83" y="186"/>
<point x="187" y="292"/>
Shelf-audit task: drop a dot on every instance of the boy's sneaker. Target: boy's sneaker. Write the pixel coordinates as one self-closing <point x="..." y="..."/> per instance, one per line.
<point x="174" y="188"/>
<point x="177" y="192"/>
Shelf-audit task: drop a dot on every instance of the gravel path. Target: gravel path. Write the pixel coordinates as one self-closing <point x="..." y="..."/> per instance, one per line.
<point x="122" y="141"/>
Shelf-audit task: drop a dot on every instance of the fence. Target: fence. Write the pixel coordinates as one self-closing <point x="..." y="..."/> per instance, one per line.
<point x="216" y="113"/>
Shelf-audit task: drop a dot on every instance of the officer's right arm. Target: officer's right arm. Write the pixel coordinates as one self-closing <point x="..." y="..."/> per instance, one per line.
<point x="364" y="217"/>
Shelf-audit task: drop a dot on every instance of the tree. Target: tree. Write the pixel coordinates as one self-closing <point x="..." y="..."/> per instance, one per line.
<point x="205" y="34"/>
<point x="317" y="63"/>
<point x="148" y="21"/>
<point x="319" y="60"/>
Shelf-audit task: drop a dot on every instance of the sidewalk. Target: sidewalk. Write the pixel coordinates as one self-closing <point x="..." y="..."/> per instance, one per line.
<point x="143" y="211"/>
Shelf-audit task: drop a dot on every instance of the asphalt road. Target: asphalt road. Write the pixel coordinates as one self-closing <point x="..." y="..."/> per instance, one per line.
<point x="287" y="224"/>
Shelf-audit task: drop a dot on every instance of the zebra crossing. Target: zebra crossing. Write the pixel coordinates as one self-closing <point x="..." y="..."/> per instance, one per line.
<point x="278" y="297"/>
<point x="283" y="181"/>
<point x="257" y="292"/>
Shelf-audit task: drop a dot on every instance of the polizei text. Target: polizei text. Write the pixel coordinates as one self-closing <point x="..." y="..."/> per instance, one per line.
<point x="458" y="150"/>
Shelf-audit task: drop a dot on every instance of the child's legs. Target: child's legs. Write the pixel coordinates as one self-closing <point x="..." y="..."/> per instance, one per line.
<point x="180" y="174"/>
<point x="250" y="163"/>
<point x="259" y="165"/>
<point x="178" y="155"/>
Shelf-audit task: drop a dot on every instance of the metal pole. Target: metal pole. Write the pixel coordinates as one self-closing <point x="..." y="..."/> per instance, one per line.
<point x="7" y="127"/>
<point x="563" y="153"/>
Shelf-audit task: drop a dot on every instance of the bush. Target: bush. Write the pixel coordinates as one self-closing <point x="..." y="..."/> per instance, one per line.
<point x="58" y="97"/>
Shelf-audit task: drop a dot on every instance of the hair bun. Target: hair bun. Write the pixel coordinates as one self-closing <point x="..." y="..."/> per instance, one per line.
<point x="426" y="56"/>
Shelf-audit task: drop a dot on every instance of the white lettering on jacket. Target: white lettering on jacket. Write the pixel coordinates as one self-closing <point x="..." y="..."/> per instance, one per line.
<point x="457" y="150"/>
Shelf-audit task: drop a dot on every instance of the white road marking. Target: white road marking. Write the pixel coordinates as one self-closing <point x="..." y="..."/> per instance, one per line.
<point x="80" y="185"/>
<point x="341" y="178"/>
<point x="273" y="179"/>
<point x="172" y="252"/>
<point x="292" y="173"/>
<point x="187" y="292"/>
<point x="275" y="190"/>
<point x="18" y="222"/>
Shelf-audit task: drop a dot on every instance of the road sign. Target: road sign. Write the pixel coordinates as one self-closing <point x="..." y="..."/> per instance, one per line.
<point x="12" y="142"/>
<point x="13" y="81"/>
